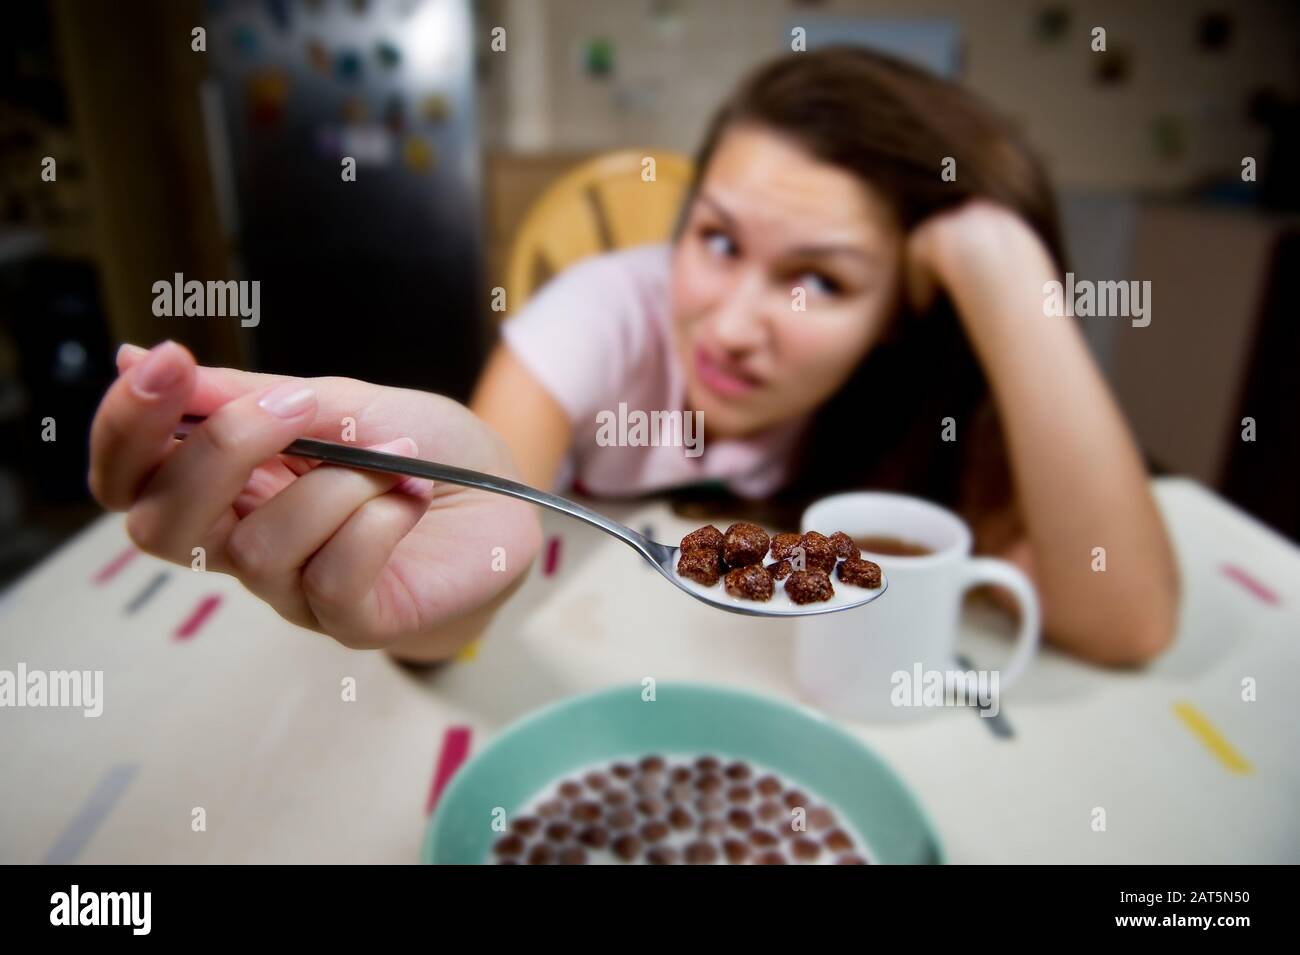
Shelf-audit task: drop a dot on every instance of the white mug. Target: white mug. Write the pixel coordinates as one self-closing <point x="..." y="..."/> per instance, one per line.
<point x="864" y="663"/>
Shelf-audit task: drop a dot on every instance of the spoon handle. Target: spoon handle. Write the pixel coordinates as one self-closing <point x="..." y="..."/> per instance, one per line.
<point x="353" y="457"/>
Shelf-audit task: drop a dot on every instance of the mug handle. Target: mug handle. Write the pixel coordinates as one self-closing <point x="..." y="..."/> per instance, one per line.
<point x="990" y="570"/>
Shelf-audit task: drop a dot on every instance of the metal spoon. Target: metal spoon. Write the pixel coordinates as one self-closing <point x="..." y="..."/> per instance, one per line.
<point x="660" y="556"/>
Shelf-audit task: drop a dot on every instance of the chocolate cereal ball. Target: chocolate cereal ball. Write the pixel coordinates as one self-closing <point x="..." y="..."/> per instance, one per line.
<point x="595" y="837"/>
<point x="805" y="850"/>
<point x="818" y="554"/>
<point x="702" y="566"/>
<point x="701" y="852"/>
<point x="527" y="825"/>
<point x="744" y="544"/>
<point x="509" y="845"/>
<point x="783" y="545"/>
<point x="706" y="538"/>
<point x="780" y="570"/>
<point x="843" y="545"/>
<point x="750" y="583"/>
<point x="626" y="847"/>
<point x="541" y="854"/>
<point x="809" y="586"/>
<point x="573" y="855"/>
<point x="735" y="851"/>
<point x="837" y="840"/>
<point x="859" y="572"/>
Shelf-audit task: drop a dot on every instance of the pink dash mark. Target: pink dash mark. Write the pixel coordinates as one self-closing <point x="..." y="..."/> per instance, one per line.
<point x="1251" y="584"/>
<point x="196" y="619"/>
<point x="110" y="570"/>
<point x="552" y="560"/>
<point x="455" y="747"/>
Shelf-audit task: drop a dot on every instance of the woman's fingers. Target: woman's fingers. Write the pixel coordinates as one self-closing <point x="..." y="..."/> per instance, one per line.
<point x="132" y="430"/>
<point x="198" y="482"/>
<point x="269" y="547"/>
<point x="214" y="386"/>
<point x="348" y="584"/>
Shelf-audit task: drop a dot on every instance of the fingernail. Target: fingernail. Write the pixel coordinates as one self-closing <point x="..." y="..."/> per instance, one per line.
<point x="128" y="351"/>
<point x="288" y="399"/>
<point x="417" y="487"/>
<point x="403" y="446"/>
<point x="159" y="371"/>
<point x="414" y="486"/>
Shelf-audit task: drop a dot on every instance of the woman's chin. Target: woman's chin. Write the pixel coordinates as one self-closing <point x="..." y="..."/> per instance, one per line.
<point x="723" y="420"/>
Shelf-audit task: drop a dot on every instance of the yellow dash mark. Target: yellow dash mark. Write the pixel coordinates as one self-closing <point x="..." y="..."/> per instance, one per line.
<point x="1204" y="730"/>
<point x="468" y="652"/>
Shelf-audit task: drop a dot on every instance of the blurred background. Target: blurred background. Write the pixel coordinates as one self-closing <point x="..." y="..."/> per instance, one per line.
<point x="216" y="155"/>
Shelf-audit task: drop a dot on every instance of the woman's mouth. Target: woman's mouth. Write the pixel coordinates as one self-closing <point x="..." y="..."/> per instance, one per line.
<point x="722" y="379"/>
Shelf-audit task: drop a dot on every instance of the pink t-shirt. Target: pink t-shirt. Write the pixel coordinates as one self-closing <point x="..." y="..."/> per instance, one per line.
<point x="599" y="338"/>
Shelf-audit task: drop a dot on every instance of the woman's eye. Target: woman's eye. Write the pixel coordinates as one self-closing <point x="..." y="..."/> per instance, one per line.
<point x="819" y="283"/>
<point x="719" y="243"/>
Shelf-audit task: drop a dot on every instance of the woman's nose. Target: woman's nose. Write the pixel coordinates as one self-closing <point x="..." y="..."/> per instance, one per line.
<point x="738" y="322"/>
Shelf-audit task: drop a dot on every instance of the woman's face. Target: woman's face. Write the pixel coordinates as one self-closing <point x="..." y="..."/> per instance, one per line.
<point x="785" y="274"/>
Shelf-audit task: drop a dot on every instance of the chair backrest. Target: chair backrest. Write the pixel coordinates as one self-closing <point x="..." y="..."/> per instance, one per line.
<point x="603" y="204"/>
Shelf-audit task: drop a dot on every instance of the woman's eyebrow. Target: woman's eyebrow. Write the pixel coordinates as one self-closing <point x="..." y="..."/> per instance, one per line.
<point x="818" y="251"/>
<point x="804" y="251"/>
<point x="722" y="213"/>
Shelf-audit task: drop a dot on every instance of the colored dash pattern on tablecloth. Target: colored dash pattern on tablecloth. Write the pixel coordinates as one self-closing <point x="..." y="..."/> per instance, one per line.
<point x="454" y="750"/>
<point x="147" y="593"/>
<point x="1250" y="584"/>
<point x="551" y="561"/>
<point x="114" y="566"/>
<point x="197" y="617"/>
<point x="1211" y="738"/>
<point x="83" y="826"/>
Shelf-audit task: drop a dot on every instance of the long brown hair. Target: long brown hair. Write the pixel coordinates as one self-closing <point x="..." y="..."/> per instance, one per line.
<point x="892" y="125"/>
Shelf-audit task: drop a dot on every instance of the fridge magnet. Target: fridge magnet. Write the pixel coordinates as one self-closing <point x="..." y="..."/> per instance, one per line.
<point x="395" y="114"/>
<point x="1114" y="66"/>
<point x="318" y="58"/>
<point x="348" y="66"/>
<point x="369" y="145"/>
<point x="434" y="108"/>
<point x="598" y="57"/>
<point x="1214" y="32"/>
<point x="388" y="55"/>
<point x="354" y="110"/>
<point x="246" y="40"/>
<point x="329" y="142"/>
<point x="268" y="92"/>
<point x="1051" y="24"/>
<point x="1169" y="136"/>
<point x="417" y="154"/>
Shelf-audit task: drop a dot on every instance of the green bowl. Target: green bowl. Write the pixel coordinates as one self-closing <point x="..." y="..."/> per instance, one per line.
<point x="802" y="746"/>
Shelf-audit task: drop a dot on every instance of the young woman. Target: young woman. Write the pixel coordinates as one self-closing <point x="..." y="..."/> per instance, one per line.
<point x="858" y="274"/>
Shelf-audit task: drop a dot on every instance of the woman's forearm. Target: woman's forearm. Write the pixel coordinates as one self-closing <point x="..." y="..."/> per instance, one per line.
<point x="1080" y="482"/>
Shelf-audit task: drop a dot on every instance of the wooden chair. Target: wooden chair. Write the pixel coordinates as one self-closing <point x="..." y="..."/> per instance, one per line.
<point x="601" y="205"/>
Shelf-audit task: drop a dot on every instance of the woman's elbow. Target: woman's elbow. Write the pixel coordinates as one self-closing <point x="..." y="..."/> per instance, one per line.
<point x="1144" y="633"/>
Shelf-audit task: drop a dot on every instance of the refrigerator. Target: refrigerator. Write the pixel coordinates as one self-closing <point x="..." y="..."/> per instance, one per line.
<point x="343" y="145"/>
